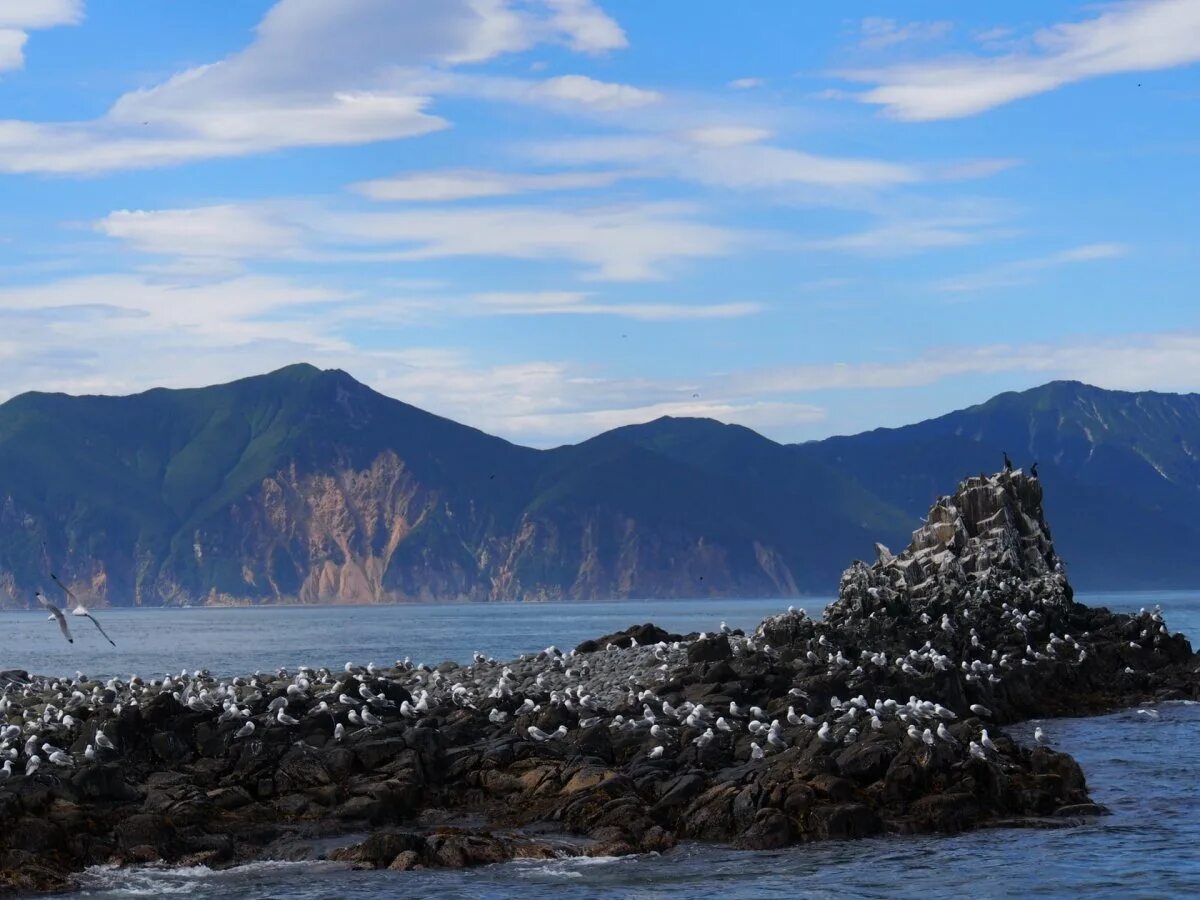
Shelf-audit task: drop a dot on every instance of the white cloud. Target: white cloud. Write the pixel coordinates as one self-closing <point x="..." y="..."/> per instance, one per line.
<point x="1023" y="271"/>
<point x="578" y="303"/>
<point x="30" y="15"/>
<point x="464" y="184"/>
<point x="1133" y="362"/>
<point x="316" y="74"/>
<point x="18" y="17"/>
<point x="620" y="243"/>
<point x="746" y="84"/>
<point x="878" y="33"/>
<point x="588" y="92"/>
<point x="908" y="236"/>
<point x="12" y="48"/>
<point x="588" y="28"/>
<point x="617" y="243"/>
<point x="222" y="232"/>
<point x="101" y="316"/>
<point x="1135" y="36"/>
<point x="727" y="135"/>
<point x="737" y="165"/>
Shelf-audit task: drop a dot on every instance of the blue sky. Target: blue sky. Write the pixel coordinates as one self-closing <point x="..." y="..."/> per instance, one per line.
<point x="550" y="217"/>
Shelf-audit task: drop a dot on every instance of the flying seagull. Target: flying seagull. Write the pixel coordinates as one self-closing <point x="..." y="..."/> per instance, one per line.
<point x="80" y="609"/>
<point x="56" y="614"/>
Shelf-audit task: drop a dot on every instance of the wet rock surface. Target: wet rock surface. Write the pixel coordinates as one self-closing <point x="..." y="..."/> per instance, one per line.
<point x="882" y="717"/>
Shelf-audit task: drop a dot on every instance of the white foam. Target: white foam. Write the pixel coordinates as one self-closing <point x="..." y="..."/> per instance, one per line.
<point x="565" y="867"/>
<point x="158" y="880"/>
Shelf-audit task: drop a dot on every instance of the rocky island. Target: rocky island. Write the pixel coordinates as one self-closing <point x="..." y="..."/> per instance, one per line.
<point x="884" y="716"/>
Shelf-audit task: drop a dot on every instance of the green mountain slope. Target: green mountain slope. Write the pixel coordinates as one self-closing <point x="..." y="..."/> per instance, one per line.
<point x="306" y="486"/>
<point x="1121" y="472"/>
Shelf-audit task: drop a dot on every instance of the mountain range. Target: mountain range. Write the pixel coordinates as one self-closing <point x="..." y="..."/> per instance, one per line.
<point x="306" y="486"/>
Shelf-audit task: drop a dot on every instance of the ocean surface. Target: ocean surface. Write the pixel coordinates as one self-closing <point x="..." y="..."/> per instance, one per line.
<point x="1145" y="768"/>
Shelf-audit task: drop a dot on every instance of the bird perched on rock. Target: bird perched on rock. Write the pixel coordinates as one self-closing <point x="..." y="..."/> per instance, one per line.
<point x="986" y="742"/>
<point x="538" y="735"/>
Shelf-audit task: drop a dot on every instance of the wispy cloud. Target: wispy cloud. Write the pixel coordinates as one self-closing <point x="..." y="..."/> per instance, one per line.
<point x="578" y="303"/>
<point x="878" y="33"/>
<point x="1134" y="362"/>
<point x="1134" y="36"/>
<point x="602" y="95"/>
<point x="725" y="155"/>
<point x="903" y="237"/>
<point x="1023" y="271"/>
<point x="629" y="242"/>
<point x="466" y="184"/>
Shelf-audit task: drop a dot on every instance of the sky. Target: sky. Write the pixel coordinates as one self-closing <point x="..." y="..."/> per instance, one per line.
<point x="547" y="218"/>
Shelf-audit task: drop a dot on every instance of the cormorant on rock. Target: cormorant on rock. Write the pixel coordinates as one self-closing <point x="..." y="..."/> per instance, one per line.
<point x="1033" y="470"/>
<point x="1007" y="461"/>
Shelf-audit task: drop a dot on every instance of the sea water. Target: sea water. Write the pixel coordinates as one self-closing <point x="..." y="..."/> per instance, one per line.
<point x="1144" y="768"/>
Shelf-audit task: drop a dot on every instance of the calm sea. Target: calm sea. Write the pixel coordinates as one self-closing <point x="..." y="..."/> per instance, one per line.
<point x="1145" y="769"/>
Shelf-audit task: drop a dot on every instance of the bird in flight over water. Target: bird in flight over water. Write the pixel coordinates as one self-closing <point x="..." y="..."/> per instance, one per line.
<point x="56" y="614"/>
<point x="80" y="609"/>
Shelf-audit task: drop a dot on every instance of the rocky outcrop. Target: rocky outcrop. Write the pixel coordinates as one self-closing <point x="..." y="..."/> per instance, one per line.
<point x="883" y="717"/>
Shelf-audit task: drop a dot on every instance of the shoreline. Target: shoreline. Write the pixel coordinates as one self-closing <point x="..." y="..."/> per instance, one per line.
<point x="801" y="599"/>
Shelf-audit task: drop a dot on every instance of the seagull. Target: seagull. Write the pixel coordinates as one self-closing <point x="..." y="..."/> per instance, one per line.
<point x="1039" y="735"/>
<point x="56" y="614"/>
<point x="756" y="752"/>
<point x="284" y="719"/>
<point x="986" y="741"/>
<point x="103" y="742"/>
<point x="656" y="752"/>
<point x="980" y="710"/>
<point x="80" y="609"/>
<point x="338" y="731"/>
<point x="245" y="731"/>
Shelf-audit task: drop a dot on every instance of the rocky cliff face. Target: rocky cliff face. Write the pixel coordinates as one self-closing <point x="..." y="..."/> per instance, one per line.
<point x="307" y="487"/>
<point x="304" y="486"/>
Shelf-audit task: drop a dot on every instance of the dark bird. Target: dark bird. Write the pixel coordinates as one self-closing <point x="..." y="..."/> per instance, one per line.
<point x="80" y="609"/>
<point x="56" y="614"/>
<point x="1033" y="470"/>
<point x="1007" y="461"/>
